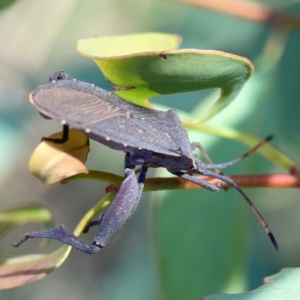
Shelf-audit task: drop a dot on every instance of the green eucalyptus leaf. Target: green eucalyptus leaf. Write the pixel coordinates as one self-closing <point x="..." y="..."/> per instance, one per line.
<point x="6" y="3"/>
<point x="201" y="240"/>
<point x="119" y="46"/>
<point x="140" y="73"/>
<point x="283" y="285"/>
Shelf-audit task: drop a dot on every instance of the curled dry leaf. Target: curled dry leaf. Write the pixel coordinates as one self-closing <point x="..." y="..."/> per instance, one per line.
<point x="52" y="162"/>
<point x="25" y="269"/>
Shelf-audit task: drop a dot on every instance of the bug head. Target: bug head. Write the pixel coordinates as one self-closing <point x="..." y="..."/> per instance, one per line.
<point x="60" y="75"/>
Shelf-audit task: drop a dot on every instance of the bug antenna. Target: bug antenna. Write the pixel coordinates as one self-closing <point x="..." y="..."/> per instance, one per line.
<point x="252" y="206"/>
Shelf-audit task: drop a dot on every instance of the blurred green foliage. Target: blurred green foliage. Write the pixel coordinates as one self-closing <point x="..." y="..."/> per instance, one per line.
<point x="207" y="243"/>
<point x="5" y="3"/>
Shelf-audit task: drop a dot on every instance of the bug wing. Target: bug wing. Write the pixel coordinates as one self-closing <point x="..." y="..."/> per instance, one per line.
<point x="65" y="104"/>
<point x="132" y="133"/>
<point x="105" y="117"/>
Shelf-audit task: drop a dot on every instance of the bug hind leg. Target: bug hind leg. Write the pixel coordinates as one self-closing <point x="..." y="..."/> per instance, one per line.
<point x="110" y="223"/>
<point x="131" y="208"/>
<point x="122" y="207"/>
<point x="61" y="234"/>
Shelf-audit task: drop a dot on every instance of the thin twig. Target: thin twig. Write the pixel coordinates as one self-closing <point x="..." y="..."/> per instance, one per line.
<point x="249" y="10"/>
<point x="175" y="183"/>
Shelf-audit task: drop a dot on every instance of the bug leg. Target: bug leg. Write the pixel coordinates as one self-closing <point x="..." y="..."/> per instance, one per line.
<point x="61" y="234"/>
<point x="198" y="181"/>
<point x="141" y="180"/>
<point x="64" y="138"/>
<point x="93" y="223"/>
<point x="195" y="145"/>
<point x="249" y="152"/>
<point x="122" y="207"/>
<point x="110" y="223"/>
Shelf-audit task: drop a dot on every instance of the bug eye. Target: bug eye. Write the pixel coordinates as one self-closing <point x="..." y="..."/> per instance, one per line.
<point x="59" y="76"/>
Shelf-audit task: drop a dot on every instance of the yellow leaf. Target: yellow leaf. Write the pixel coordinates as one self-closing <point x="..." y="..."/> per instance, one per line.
<point x="53" y="162"/>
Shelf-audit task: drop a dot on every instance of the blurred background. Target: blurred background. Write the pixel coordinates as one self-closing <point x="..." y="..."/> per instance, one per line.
<point x="178" y="245"/>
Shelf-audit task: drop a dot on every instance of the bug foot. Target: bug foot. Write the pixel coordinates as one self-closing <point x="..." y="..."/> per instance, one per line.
<point x="61" y="234"/>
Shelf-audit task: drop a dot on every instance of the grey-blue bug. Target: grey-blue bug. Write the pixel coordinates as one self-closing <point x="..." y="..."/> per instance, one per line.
<point x="150" y="139"/>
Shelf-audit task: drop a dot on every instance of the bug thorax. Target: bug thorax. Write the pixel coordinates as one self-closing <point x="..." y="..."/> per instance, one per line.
<point x="152" y="159"/>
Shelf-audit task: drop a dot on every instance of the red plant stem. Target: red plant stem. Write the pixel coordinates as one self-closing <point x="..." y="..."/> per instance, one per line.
<point x="266" y="180"/>
<point x="249" y="10"/>
<point x="291" y="180"/>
